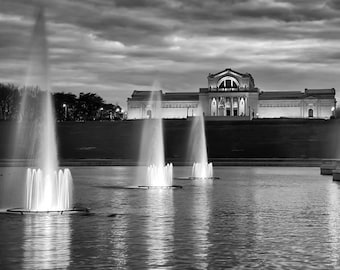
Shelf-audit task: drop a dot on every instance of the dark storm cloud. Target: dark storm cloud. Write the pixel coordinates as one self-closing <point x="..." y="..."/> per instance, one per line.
<point x="243" y="18"/>
<point x="137" y="3"/>
<point x="283" y="11"/>
<point x="333" y="4"/>
<point x="115" y="46"/>
<point x="225" y="11"/>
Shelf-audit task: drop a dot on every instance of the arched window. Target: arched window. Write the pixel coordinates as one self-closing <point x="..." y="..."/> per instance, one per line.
<point x="310" y="113"/>
<point x="213" y="107"/>
<point x="228" y="83"/>
<point x="149" y="114"/>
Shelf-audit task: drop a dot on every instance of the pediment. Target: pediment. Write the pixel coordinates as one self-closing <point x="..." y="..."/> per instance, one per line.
<point x="227" y="72"/>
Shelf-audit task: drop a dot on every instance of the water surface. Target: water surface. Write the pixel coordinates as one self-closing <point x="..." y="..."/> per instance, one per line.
<point x="252" y="217"/>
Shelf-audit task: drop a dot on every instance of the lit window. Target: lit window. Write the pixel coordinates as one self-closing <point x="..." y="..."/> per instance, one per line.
<point x="229" y="83"/>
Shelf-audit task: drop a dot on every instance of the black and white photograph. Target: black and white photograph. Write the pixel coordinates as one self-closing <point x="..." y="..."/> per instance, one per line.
<point x="169" y="134"/>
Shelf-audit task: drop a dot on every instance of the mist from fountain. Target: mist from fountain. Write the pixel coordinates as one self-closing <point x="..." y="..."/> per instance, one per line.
<point x="201" y="167"/>
<point x="47" y="188"/>
<point x="152" y="146"/>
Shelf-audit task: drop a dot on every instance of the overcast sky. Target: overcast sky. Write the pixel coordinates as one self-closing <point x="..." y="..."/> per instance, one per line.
<point x="113" y="47"/>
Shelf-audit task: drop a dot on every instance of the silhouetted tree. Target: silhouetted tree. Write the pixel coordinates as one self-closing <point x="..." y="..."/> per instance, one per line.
<point x="89" y="106"/>
<point x="65" y="104"/>
<point x="111" y="112"/>
<point x="25" y="104"/>
<point x="9" y="99"/>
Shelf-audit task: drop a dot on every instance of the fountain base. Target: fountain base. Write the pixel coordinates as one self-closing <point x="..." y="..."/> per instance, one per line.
<point x="155" y="187"/>
<point x="203" y="178"/>
<point x="72" y="211"/>
<point x="196" y="178"/>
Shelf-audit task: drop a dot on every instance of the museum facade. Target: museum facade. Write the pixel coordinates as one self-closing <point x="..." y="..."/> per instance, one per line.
<point x="231" y="95"/>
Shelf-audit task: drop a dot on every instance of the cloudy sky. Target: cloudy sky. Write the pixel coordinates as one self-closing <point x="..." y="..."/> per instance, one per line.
<point x="112" y="47"/>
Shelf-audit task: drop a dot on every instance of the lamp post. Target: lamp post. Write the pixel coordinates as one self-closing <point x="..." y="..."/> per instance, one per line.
<point x="101" y="113"/>
<point x="117" y="113"/>
<point x="65" y="111"/>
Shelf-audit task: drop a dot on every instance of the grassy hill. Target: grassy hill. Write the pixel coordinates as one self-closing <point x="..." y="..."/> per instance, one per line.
<point x="261" y="138"/>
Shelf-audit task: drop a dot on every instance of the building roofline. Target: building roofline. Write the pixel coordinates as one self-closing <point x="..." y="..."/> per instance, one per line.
<point x="143" y="95"/>
<point x="281" y="95"/>
<point x="211" y="75"/>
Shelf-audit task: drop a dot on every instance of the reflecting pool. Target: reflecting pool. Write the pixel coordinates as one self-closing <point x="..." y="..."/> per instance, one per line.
<point x="252" y="217"/>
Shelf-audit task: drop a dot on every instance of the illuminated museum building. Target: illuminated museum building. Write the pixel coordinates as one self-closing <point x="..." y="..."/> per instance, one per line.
<point x="233" y="95"/>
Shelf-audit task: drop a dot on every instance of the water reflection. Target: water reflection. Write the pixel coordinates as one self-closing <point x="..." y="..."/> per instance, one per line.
<point x="119" y="231"/>
<point x="333" y="223"/>
<point x="249" y="219"/>
<point x="159" y="227"/>
<point x="46" y="242"/>
<point x="201" y="223"/>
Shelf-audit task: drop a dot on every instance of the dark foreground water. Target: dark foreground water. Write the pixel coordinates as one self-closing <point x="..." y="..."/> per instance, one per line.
<point x="265" y="218"/>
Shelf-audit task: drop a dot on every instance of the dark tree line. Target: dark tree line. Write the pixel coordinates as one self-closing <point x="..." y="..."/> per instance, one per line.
<point x="9" y="99"/>
<point x="68" y="106"/>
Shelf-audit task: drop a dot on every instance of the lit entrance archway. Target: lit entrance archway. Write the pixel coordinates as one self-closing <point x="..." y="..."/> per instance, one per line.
<point x="213" y="107"/>
<point x="310" y="113"/>
<point x="242" y="107"/>
<point x="228" y="107"/>
<point x="235" y="107"/>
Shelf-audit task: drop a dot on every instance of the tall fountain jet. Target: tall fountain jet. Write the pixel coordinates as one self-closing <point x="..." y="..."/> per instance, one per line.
<point x="152" y="146"/>
<point x="201" y="168"/>
<point x="47" y="188"/>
